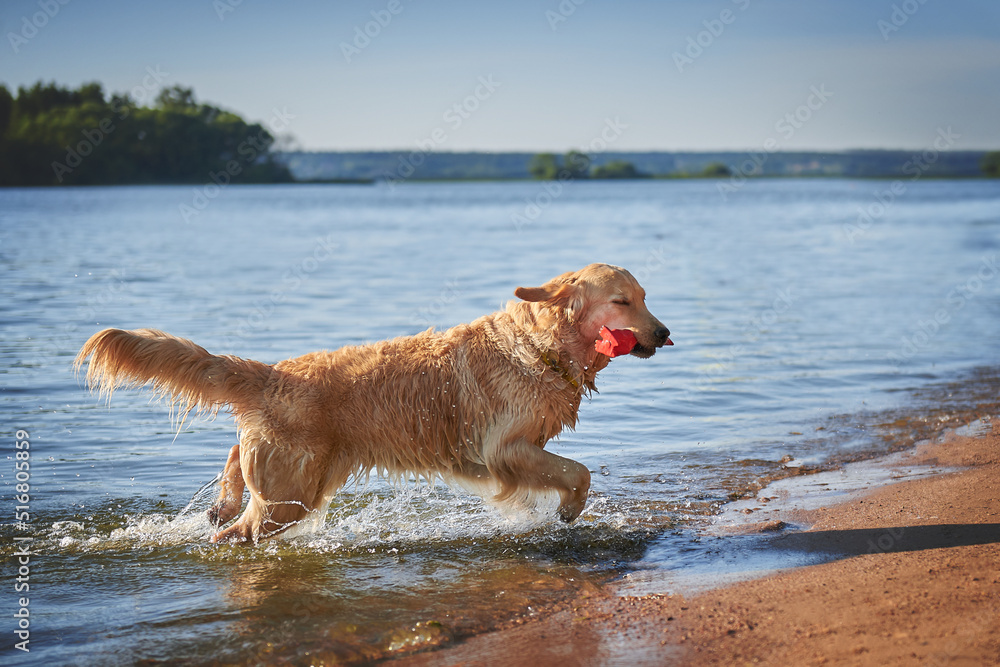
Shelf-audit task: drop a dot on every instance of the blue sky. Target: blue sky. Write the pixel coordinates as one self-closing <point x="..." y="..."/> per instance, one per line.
<point x="675" y="75"/>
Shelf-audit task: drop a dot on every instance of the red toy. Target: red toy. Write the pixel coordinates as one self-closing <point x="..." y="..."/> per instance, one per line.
<point x="616" y="342"/>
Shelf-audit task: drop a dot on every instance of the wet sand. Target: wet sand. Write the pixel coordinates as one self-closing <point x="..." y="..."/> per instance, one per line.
<point x="915" y="580"/>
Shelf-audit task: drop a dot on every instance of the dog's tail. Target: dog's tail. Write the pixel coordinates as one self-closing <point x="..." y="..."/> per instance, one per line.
<point x="183" y="372"/>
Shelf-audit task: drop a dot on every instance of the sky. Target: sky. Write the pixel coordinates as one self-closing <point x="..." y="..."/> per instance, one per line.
<point x="545" y="75"/>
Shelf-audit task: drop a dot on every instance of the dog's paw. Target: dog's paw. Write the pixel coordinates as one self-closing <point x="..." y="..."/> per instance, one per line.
<point x="570" y="513"/>
<point x="238" y="533"/>
<point x="222" y="512"/>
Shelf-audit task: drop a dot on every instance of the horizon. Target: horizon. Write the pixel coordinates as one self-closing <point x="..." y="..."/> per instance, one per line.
<point x="393" y="76"/>
<point x="807" y="151"/>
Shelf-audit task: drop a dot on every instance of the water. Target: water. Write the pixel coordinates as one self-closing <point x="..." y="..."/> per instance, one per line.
<point x="800" y="330"/>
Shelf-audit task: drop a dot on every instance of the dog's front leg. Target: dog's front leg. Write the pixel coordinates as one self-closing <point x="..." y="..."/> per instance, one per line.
<point x="521" y="467"/>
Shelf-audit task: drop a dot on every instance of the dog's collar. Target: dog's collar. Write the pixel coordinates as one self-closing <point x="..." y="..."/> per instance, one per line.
<point x="553" y="362"/>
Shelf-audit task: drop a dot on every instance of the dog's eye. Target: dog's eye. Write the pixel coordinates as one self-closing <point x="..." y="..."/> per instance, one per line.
<point x="621" y="302"/>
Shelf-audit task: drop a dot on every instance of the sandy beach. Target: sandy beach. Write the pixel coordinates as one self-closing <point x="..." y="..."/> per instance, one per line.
<point x="915" y="579"/>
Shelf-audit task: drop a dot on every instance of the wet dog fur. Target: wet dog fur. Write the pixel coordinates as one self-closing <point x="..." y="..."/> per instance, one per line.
<point x="473" y="405"/>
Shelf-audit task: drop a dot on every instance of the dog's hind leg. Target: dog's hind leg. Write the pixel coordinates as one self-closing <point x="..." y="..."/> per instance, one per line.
<point x="289" y="486"/>
<point x="264" y="517"/>
<point x="231" y="488"/>
<point x="278" y="492"/>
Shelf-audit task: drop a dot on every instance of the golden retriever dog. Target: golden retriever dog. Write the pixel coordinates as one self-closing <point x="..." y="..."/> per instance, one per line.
<point x="473" y="405"/>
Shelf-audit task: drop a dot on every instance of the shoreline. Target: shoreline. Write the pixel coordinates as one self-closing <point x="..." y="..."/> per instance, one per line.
<point x="373" y="181"/>
<point x="906" y="573"/>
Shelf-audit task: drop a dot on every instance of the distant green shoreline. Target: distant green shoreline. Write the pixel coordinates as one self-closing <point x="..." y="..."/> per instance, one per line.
<point x="51" y="135"/>
<point x="55" y="136"/>
<point x="457" y="179"/>
<point x="394" y="167"/>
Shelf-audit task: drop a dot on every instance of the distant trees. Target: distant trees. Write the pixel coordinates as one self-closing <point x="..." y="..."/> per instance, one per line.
<point x="176" y="98"/>
<point x="710" y="170"/>
<point x="50" y="135"/>
<point x="544" y="167"/>
<point x="716" y="170"/>
<point x="617" y="169"/>
<point x="576" y="165"/>
<point x="991" y="164"/>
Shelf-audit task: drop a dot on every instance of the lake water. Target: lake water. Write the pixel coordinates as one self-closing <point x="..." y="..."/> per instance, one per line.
<point x="817" y="320"/>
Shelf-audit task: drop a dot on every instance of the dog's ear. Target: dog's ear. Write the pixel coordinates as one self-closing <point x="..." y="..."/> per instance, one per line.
<point x="537" y="294"/>
<point x="554" y="295"/>
<point x="554" y="290"/>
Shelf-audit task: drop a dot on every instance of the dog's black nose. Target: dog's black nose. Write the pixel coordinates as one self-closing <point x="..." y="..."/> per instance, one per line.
<point x="662" y="334"/>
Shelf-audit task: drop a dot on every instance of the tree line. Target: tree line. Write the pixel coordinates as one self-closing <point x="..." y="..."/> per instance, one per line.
<point x="51" y="135"/>
<point x="576" y="165"/>
<point x="991" y="164"/>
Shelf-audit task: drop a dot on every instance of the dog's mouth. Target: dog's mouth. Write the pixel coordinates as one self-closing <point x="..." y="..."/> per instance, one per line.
<point x="618" y="342"/>
<point x="642" y="351"/>
<point x="646" y="351"/>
